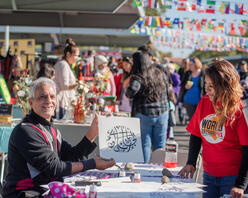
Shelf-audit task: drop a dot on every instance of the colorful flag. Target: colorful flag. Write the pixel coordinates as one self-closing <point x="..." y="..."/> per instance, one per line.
<point x="167" y="4"/>
<point x="137" y="3"/>
<point x="239" y="8"/>
<point x="182" y="4"/>
<point x="176" y="21"/>
<point x="152" y="3"/>
<point x="210" y="7"/>
<point x="140" y="22"/>
<point x="224" y="7"/>
<point x="159" y="21"/>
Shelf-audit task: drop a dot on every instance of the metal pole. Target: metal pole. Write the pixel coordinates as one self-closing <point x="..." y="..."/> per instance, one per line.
<point x="6" y="39"/>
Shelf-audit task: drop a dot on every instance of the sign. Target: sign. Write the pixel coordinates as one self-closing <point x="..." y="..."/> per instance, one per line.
<point x="6" y="109"/>
<point x="4" y="90"/>
<point x="119" y="138"/>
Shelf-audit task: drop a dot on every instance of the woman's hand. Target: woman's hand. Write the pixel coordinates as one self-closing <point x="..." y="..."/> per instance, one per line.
<point x="237" y="192"/>
<point x="186" y="171"/>
<point x="93" y="131"/>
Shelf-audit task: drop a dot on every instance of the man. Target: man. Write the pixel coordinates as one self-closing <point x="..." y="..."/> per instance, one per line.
<point x="37" y="154"/>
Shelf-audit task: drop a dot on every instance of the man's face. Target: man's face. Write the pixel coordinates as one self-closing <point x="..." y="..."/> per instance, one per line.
<point x="44" y="102"/>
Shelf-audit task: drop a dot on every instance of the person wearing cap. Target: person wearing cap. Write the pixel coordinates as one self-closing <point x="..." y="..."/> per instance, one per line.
<point x="104" y="73"/>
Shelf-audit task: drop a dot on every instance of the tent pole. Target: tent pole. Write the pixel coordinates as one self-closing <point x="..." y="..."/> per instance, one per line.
<point x="6" y="39"/>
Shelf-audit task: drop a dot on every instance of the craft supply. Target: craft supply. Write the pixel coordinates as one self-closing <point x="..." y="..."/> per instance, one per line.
<point x="136" y="178"/>
<point x="122" y="173"/>
<point x="165" y="179"/>
<point x="129" y="166"/>
<point x="93" y="192"/>
<point x="166" y="172"/>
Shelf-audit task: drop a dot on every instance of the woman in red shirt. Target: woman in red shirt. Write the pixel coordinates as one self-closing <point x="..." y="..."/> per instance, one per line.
<point x="219" y="126"/>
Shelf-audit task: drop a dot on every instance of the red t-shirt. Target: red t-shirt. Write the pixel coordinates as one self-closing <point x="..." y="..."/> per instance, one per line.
<point x="222" y="149"/>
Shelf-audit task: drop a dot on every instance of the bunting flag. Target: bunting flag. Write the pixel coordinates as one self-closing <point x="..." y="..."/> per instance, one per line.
<point x="140" y="22"/>
<point x="159" y="22"/>
<point x="224" y="7"/>
<point x="182" y="4"/>
<point x="167" y="4"/>
<point x="239" y="8"/>
<point x="152" y="3"/>
<point x="137" y="3"/>
<point x="210" y="7"/>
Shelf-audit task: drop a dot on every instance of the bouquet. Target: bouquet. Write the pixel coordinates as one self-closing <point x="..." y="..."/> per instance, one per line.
<point x="21" y="89"/>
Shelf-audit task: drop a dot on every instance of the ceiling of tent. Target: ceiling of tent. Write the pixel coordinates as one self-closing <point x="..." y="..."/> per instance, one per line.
<point x="107" y="6"/>
<point x="114" y="14"/>
<point x="87" y="40"/>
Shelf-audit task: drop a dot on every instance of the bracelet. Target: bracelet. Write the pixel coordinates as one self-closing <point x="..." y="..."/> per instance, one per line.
<point x="89" y="164"/>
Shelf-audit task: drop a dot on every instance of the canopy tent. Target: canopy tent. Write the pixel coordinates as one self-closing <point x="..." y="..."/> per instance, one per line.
<point x="111" y="18"/>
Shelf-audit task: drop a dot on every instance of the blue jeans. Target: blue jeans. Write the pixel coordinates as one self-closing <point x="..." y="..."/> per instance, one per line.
<point x="217" y="186"/>
<point x="153" y="132"/>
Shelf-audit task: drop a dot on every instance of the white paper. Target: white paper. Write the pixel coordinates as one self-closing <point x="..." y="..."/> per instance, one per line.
<point x="119" y="138"/>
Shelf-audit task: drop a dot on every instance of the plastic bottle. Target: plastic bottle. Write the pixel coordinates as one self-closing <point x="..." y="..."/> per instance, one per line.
<point x="171" y="153"/>
<point x="92" y="192"/>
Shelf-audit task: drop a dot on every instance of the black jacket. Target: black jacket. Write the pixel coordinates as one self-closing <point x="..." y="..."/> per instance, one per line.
<point x="32" y="160"/>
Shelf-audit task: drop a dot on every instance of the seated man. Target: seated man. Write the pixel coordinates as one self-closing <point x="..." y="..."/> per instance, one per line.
<point x="37" y="154"/>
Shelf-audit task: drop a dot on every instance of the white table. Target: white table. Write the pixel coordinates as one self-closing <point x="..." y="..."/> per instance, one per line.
<point x="150" y="186"/>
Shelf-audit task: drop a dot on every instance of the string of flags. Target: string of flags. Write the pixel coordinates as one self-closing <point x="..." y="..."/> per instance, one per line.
<point x="199" y="6"/>
<point x="224" y="26"/>
<point x="200" y="41"/>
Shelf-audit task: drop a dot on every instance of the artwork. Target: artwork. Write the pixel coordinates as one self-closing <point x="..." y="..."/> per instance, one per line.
<point x="119" y="138"/>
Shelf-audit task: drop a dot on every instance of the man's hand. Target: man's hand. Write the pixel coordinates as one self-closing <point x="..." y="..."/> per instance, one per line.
<point x="102" y="164"/>
<point x="237" y="192"/>
<point x="186" y="171"/>
<point x="93" y="131"/>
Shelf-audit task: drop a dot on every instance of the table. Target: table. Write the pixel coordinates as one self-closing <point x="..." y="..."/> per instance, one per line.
<point x="150" y="186"/>
<point x="5" y="132"/>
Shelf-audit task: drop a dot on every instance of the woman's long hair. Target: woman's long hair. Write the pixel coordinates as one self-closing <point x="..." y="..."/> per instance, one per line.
<point x="153" y="79"/>
<point x="228" y="91"/>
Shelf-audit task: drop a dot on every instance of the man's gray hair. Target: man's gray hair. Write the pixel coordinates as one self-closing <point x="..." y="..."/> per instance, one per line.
<point x="37" y="83"/>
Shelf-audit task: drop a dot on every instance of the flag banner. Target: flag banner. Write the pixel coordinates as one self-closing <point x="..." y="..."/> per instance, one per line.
<point x="210" y="7"/>
<point x="167" y="4"/>
<point x="153" y="4"/>
<point x="239" y="8"/>
<point x="137" y="3"/>
<point x="182" y="4"/>
<point x="224" y="7"/>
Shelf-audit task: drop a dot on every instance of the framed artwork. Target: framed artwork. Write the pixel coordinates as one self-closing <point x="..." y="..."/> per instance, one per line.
<point x="119" y="138"/>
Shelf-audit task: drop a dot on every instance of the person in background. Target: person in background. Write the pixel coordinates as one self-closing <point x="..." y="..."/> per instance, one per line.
<point x="47" y="71"/>
<point x="64" y="77"/>
<point x="147" y="88"/>
<point x="125" y="101"/>
<point x="192" y="87"/>
<point x="244" y="71"/>
<point x="37" y="154"/>
<point x="175" y="79"/>
<point x="102" y="71"/>
<point x="219" y="126"/>
<point x="184" y="73"/>
<point x="90" y="59"/>
<point x="118" y="78"/>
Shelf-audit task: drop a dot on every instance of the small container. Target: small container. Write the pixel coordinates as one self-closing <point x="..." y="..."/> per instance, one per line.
<point x="122" y="173"/>
<point x="92" y="192"/>
<point x="136" y="178"/>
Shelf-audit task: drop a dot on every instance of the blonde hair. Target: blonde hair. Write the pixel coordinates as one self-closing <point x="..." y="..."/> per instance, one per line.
<point x="228" y="91"/>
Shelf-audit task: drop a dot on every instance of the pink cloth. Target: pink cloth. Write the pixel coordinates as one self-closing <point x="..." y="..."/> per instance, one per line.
<point x="61" y="190"/>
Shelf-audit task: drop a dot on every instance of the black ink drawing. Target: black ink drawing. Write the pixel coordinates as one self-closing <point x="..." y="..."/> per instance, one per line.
<point x="121" y="139"/>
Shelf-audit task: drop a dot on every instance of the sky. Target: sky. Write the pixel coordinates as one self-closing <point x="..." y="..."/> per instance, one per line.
<point x="172" y="13"/>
